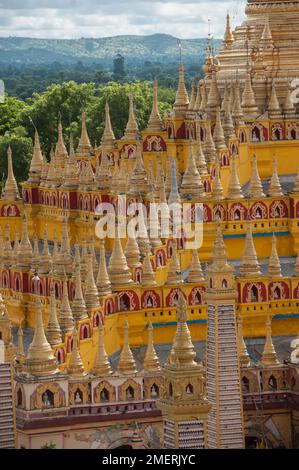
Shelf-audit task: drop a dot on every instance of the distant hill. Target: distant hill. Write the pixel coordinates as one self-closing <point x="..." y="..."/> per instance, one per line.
<point x="135" y="49"/>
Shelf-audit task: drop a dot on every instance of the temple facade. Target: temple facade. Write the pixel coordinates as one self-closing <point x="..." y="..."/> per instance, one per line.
<point x="231" y="148"/>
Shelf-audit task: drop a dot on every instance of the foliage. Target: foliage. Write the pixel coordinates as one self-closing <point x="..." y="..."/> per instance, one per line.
<point x="49" y="445"/>
<point x="21" y="147"/>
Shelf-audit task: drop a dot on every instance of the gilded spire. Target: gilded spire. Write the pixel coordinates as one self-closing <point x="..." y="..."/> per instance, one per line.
<point x="274" y="268"/>
<point x="204" y="99"/>
<point x="115" y="179"/>
<point x="45" y="260"/>
<point x="200" y="158"/>
<point x="213" y="96"/>
<point x="131" y="132"/>
<point x="126" y="364"/>
<point x="269" y="357"/>
<point x="191" y="187"/>
<point x="53" y="331"/>
<point x="66" y="319"/>
<point x="25" y="251"/>
<point x="273" y="106"/>
<point x="139" y="184"/>
<point x="249" y="106"/>
<point x="218" y="136"/>
<point x="195" y="272"/>
<point x="288" y="106"/>
<point x="174" y="275"/>
<point x="148" y="274"/>
<point x="209" y="145"/>
<point x="108" y="136"/>
<point x="20" y="357"/>
<point x="275" y="188"/>
<point x="255" y="189"/>
<point x="217" y="189"/>
<point x="155" y="122"/>
<point x="193" y="96"/>
<point x="7" y="252"/>
<point x="101" y="367"/>
<point x="242" y="349"/>
<point x="40" y="360"/>
<point x="64" y="260"/>
<point x="198" y="96"/>
<point x="132" y="253"/>
<point x="36" y="161"/>
<point x="91" y="295"/>
<point x="219" y="255"/>
<point x="76" y="367"/>
<point x="174" y="196"/>
<point x="103" y="282"/>
<point x="103" y="174"/>
<point x="249" y="265"/>
<point x="84" y="146"/>
<point x="71" y="171"/>
<point x="10" y="191"/>
<point x="266" y="38"/>
<point x="78" y="303"/>
<point x="118" y="268"/>
<point x="182" y="354"/>
<point x="151" y="361"/>
<point x="181" y="98"/>
<point x="228" y="35"/>
<point x="236" y="107"/>
<point x="234" y="190"/>
<point x="60" y="155"/>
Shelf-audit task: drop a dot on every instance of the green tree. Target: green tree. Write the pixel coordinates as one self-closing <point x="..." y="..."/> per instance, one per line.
<point x="10" y="112"/>
<point x="63" y="103"/>
<point x="49" y="445"/>
<point x="21" y="147"/>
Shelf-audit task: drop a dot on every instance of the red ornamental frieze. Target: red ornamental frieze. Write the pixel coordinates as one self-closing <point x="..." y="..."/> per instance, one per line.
<point x="219" y="212"/>
<point x="242" y="136"/>
<point x="254" y="292"/>
<point x="154" y="143"/>
<point x="85" y="331"/>
<point x="5" y="278"/>
<point x="128" y="300"/>
<point x="128" y="151"/>
<point x="170" y="130"/>
<point x="207" y="213"/>
<point x="197" y="296"/>
<point x="181" y="132"/>
<point x="84" y="202"/>
<point x="258" y="211"/>
<point x="259" y="133"/>
<point x="109" y="306"/>
<point x="277" y="131"/>
<point x="172" y="298"/>
<point x="150" y="299"/>
<point x="224" y="159"/>
<point x="10" y="210"/>
<point x="278" y="210"/>
<point x="237" y="211"/>
<point x="98" y="317"/>
<point x="160" y="258"/>
<point x="278" y="290"/>
<point x="60" y="355"/>
<point x="296" y="292"/>
<point x="292" y="131"/>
